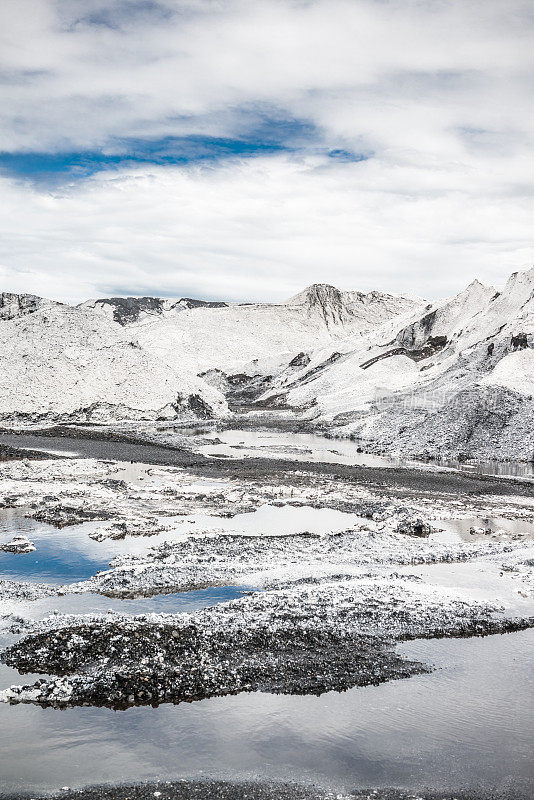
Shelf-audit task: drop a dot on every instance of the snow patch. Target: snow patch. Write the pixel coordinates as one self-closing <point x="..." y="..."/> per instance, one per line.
<point x="515" y="372"/>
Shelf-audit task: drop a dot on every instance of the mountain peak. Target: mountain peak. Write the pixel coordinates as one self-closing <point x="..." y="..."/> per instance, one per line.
<point x="476" y="284"/>
<point x="477" y="289"/>
<point x="326" y="300"/>
<point x="523" y="277"/>
<point x="350" y="307"/>
<point x="316" y="293"/>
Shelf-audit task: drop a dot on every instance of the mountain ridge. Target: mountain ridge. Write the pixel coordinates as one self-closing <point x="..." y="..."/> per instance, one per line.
<point x="400" y="373"/>
<point x="400" y="388"/>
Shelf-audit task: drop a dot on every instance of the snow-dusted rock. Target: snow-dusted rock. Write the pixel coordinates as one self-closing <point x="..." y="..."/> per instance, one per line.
<point x="18" y="544"/>
<point x="18" y="305"/>
<point x="453" y="377"/>
<point x="263" y="337"/>
<point x="360" y="310"/>
<point x="128" y="310"/>
<point x="515" y="372"/>
<point x="142" y="358"/>
<point x="458" y="378"/>
<point x="64" y="363"/>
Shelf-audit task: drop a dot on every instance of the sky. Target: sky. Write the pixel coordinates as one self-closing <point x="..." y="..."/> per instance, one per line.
<point x="244" y="149"/>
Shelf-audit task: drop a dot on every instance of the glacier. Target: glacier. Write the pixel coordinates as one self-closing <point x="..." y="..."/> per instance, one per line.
<point x="453" y="378"/>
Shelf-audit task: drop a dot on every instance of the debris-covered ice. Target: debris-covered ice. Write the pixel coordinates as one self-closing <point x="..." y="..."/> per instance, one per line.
<point x="329" y="606"/>
<point x="18" y="544"/>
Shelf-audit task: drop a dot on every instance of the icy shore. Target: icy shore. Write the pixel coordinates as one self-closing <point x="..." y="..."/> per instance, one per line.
<point x="332" y="605"/>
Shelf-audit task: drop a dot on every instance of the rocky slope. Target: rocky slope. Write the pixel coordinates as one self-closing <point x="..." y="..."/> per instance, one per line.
<point x="68" y="364"/>
<point x="457" y="379"/>
<point x="146" y="358"/>
<point x="446" y="379"/>
<point x="128" y="310"/>
<point x="259" y="338"/>
<point x="18" y="305"/>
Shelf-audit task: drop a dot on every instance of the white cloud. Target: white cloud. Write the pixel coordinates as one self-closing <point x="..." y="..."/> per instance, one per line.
<point x="350" y="65"/>
<point x="264" y="228"/>
<point x="440" y="92"/>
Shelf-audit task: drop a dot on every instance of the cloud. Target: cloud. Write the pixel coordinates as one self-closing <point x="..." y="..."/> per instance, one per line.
<point x="159" y="69"/>
<point x="265" y="227"/>
<point x="435" y="96"/>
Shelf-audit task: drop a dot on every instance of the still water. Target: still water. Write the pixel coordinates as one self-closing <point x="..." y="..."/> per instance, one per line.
<point x="69" y="555"/>
<point x="268" y="443"/>
<point x="62" y="556"/>
<point x="238" y="443"/>
<point x="469" y="724"/>
<point x="466" y="725"/>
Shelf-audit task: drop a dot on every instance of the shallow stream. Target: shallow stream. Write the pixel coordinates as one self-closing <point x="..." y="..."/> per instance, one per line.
<point x="269" y="443"/>
<point x="238" y="443"/>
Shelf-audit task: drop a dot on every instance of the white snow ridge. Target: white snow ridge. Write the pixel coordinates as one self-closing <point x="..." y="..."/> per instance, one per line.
<point x="62" y="363"/>
<point x="400" y="374"/>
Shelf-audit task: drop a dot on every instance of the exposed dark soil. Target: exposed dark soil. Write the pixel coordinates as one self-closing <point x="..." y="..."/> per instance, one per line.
<point x="8" y="453"/>
<point x="198" y="664"/>
<point x="223" y="790"/>
<point x="112" y="446"/>
<point x="271" y="643"/>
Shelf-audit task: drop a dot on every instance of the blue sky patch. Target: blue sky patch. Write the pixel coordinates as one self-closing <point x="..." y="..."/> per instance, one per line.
<point x="263" y="132"/>
<point x="347" y="155"/>
<point x="44" y="166"/>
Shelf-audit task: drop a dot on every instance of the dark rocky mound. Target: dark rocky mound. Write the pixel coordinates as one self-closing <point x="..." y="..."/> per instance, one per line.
<point x="256" y="790"/>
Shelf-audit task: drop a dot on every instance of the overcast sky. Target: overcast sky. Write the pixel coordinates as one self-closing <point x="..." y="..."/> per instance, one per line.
<point x="243" y="149"/>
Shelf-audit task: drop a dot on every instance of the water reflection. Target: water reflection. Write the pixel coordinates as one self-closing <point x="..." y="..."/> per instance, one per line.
<point x="61" y="556"/>
<point x="471" y="529"/>
<point x="268" y="443"/>
<point x="89" y="603"/>
<point x="467" y="725"/>
<point x="69" y="555"/>
<point x="237" y="443"/>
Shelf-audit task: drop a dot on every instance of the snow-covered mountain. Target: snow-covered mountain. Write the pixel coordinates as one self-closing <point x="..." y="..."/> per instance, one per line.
<point x="458" y="378"/>
<point x="259" y="338"/>
<point x="61" y="363"/>
<point x="146" y="357"/>
<point x="357" y="310"/>
<point x="402" y="375"/>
